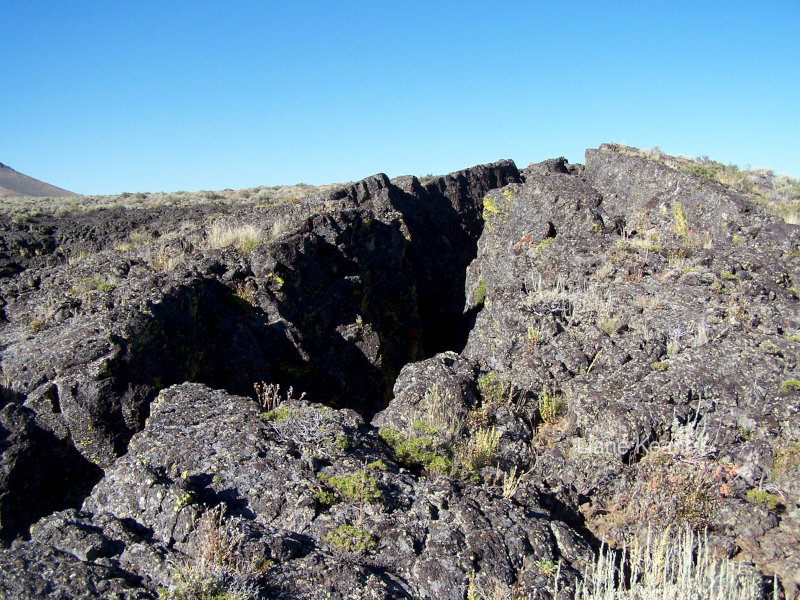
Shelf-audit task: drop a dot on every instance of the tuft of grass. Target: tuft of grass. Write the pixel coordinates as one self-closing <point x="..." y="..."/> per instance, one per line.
<point x="481" y="451"/>
<point x="511" y="483"/>
<point x="610" y="324"/>
<point x="166" y="259"/>
<point x="437" y="413"/>
<point x="704" y="170"/>
<point x="217" y="568"/>
<point x="243" y="237"/>
<point x="551" y="406"/>
<point x="786" y="459"/>
<point x="680" y="226"/>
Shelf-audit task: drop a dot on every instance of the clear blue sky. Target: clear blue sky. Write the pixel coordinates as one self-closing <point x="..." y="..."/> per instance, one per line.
<point x="105" y="97"/>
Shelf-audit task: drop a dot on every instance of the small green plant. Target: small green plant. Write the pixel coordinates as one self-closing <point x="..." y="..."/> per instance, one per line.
<point x="340" y="442"/>
<point x="789" y="385"/>
<point x="763" y="498"/>
<point x="542" y="247"/>
<point x="351" y="539"/>
<point x="276" y="415"/>
<point x="680" y="226"/>
<point x="491" y="387"/>
<point x="659" y="366"/>
<point x="481" y="451"/>
<point x="534" y="335"/>
<point x="93" y="283"/>
<point x="480" y="293"/>
<point x="511" y="483"/>
<point x="423" y="427"/>
<point x="546" y="566"/>
<point x="105" y="286"/>
<point x="419" y="451"/>
<point x="551" y="406"/>
<point x="358" y="487"/>
<point x="324" y="497"/>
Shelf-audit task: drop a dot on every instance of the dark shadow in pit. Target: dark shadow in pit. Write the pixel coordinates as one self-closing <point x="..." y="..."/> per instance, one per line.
<point x="353" y="304"/>
<point x="357" y="300"/>
<point x="41" y="474"/>
<point x="445" y="220"/>
<point x="202" y="333"/>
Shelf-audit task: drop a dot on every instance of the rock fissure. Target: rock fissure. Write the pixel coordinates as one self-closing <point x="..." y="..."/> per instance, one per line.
<point x="507" y="368"/>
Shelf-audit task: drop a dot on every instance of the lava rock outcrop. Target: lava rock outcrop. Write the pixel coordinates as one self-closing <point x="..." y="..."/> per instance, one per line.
<point x="502" y="369"/>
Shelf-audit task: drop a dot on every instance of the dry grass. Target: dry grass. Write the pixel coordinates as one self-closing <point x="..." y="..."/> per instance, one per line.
<point x="166" y="258"/>
<point x="26" y="207"/>
<point x="551" y="406"/>
<point x="219" y="567"/>
<point x="244" y="237"/>
<point x="481" y="449"/>
<point x="438" y="410"/>
<point x="780" y="194"/>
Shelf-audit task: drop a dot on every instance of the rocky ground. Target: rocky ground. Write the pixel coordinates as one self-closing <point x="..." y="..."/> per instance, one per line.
<point x="396" y="389"/>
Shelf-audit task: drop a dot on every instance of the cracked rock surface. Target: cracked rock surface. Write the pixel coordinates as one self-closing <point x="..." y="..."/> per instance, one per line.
<point x="463" y="385"/>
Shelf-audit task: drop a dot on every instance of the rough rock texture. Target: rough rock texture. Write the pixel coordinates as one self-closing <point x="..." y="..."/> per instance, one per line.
<point x="660" y="309"/>
<point x="503" y="369"/>
<point x="288" y="480"/>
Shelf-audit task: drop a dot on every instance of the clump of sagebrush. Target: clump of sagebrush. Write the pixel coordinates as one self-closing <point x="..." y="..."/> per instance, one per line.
<point x="351" y="539"/>
<point x="668" y="566"/>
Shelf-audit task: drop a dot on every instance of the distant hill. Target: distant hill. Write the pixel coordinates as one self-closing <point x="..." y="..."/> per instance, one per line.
<point x="14" y="184"/>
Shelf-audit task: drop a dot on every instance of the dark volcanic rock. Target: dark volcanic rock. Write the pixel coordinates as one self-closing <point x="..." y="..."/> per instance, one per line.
<point x="39" y="473"/>
<point x="658" y="308"/>
<point x="310" y="494"/>
<point x="506" y="367"/>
